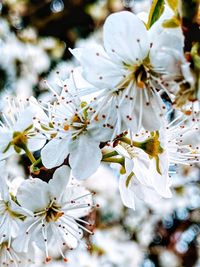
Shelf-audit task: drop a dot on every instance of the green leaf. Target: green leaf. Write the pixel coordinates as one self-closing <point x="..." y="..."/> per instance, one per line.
<point x="156" y="11"/>
<point x="174" y="22"/>
<point x="195" y="52"/>
<point x="173" y="4"/>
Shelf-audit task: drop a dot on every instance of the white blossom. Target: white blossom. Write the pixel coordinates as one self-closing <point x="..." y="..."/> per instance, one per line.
<point x="11" y="214"/>
<point x="17" y="129"/>
<point x="11" y="217"/>
<point x="76" y="132"/>
<point x="9" y="257"/>
<point x="56" y="208"/>
<point x="128" y="71"/>
<point x="147" y="164"/>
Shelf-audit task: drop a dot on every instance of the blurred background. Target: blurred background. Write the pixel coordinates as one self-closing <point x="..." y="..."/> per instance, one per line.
<point x="34" y="40"/>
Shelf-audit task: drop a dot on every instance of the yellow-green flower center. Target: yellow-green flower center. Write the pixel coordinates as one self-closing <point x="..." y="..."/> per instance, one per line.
<point x="11" y="213"/>
<point x="138" y="73"/>
<point x="19" y="139"/>
<point x="52" y="213"/>
<point x="152" y="145"/>
<point x="78" y="122"/>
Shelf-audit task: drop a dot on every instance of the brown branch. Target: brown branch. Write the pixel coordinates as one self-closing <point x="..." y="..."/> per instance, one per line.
<point x="190" y="22"/>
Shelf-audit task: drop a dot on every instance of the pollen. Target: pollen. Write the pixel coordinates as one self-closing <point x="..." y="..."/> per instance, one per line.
<point x="141" y="84"/>
<point x="48" y="259"/>
<point x="66" y="127"/>
<point x="96" y="118"/>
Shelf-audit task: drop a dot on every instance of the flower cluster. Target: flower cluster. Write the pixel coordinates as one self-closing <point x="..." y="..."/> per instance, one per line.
<point x="117" y="107"/>
<point x="24" y="58"/>
<point x="41" y="214"/>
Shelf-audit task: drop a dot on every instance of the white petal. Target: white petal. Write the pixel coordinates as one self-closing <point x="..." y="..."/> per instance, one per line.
<point x="125" y="111"/>
<point x="54" y="153"/>
<point x="141" y="168"/>
<point x="77" y="53"/>
<point x="152" y="111"/>
<point x="25" y="119"/>
<point x="167" y="54"/>
<point x="38" y="111"/>
<point x="21" y="243"/>
<point x="2" y="166"/>
<point x="99" y="70"/>
<point x="5" y="138"/>
<point x="97" y="132"/>
<point x="145" y="193"/>
<point x="37" y="142"/>
<point x="122" y="151"/>
<point x="126" y="35"/>
<point x="129" y="165"/>
<point x="58" y="184"/>
<point x="161" y="182"/>
<point x="33" y="195"/>
<point x="143" y="15"/>
<point x="77" y="192"/>
<point x="16" y="208"/>
<point x="37" y="235"/>
<point x="127" y="195"/>
<point x="85" y="157"/>
<point x="71" y="239"/>
<point x="6" y="155"/>
<point x="167" y="40"/>
<point x="151" y="118"/>
<point x="81" y="83"/>
<point x="3" y="184"/>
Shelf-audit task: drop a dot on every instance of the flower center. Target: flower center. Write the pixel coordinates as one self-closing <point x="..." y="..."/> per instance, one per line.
<point x="138" y="74"/>
<point x="6" y="207"/>
<point x="152" y="145"/>
<point x="4" y="245"/>
<point x="53" y="213"/>
<point x="78" y="122"/>
<point x="153" y="148"/>
<point x="141" y="76"/>
<point x="19" y="142"/>
<point x="19" y="139"/>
